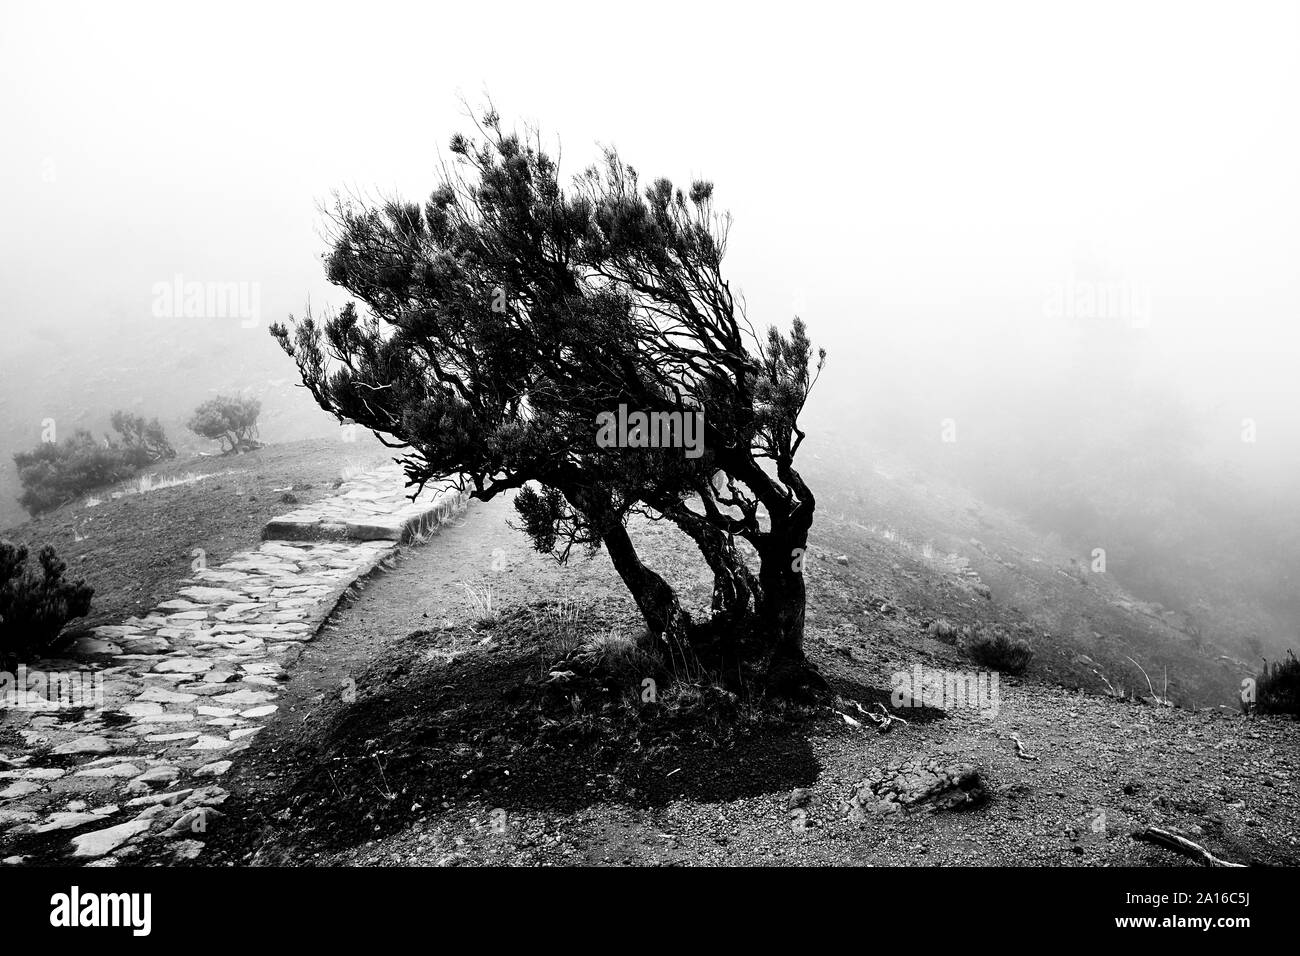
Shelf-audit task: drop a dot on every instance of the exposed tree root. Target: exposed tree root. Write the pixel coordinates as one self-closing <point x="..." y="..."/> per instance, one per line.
<point x="884" y="721"/>
<point x="1172" y="841"/>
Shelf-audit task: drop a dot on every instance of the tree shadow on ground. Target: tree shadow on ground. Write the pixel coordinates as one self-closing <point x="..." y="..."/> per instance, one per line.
<point x="873" y="698"/>
<point x="427" y="735"/>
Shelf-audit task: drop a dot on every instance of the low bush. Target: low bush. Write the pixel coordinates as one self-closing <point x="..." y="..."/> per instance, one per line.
<point x="994" y="648"/>
<point x="1277" y="689"/>
<point x="54" y="473"/>
<point x="942" y="629"/>
<point x="35" y="602"/>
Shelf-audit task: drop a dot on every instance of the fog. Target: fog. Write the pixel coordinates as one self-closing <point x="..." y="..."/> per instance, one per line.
<point x="1066" y="236"/>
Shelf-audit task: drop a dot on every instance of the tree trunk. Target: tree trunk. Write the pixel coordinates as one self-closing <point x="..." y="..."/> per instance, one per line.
<point x="781" y="612"/>
<point x="667" y="621"/>
<point x="735" y="589"/>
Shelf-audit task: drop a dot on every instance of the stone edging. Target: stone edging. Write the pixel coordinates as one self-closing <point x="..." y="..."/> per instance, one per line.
<point x="186" y="687"/>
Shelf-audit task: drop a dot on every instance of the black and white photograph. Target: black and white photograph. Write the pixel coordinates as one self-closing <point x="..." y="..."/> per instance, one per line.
<point x="817" y="449"/>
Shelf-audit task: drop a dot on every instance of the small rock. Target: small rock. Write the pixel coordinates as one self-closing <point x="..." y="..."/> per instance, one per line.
<point x="799" y="797"/>
<point x="186" y="850"/>
<point x="193" y="821"/>
<point x="158" y="776"/>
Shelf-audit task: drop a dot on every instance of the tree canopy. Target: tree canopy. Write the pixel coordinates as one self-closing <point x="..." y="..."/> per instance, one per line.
<point x="497" y="322"/>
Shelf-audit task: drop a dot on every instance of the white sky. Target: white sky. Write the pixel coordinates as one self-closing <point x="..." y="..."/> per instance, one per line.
<point x="917" y="177"/>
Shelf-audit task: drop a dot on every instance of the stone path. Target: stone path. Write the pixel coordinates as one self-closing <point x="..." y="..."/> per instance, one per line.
<point x="188" y="686"/>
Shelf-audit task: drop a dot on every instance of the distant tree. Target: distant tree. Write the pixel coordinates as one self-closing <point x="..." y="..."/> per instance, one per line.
<point x="229" y="420"/>
<point x="35" y="602"/>
<point x="145" y="443"/>
<point x="505" y="316"/>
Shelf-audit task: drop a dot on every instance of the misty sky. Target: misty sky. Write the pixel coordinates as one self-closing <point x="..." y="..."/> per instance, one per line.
<point x="924" y="183"/>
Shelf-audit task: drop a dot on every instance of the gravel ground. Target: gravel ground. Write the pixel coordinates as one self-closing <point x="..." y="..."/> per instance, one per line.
<point x="1089" y="772"/>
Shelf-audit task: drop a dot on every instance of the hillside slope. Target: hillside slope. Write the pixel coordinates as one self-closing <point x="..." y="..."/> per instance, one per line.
<point x="161" y="368"/>
<point x="134" y="547"/>
<point x="432" y="721"/>
<point x="417" y="730"/>
<point x="946" y="553"/>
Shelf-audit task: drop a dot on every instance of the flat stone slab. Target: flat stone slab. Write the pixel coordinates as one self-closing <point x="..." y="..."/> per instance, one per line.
<point x="121" y="770"/>
<point x="105" y="841"/>
<point x="66" y="821"/>
<point x="86" y="745"/>
<point x="244" y="697"/>
<point x="161" y="695"/>
<point x="377" y="509"/>
<point x="182" y="665"/>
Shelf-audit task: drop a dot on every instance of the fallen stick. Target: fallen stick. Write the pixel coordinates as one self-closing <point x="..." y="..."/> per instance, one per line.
<point x="1021" y="752"/>
<point x="1172" y="841"/>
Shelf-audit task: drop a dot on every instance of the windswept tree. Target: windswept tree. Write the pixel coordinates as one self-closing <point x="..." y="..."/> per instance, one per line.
<point x="230" y="420"/>
<point x="500" y="321"/>
<point x="145" y="442"/>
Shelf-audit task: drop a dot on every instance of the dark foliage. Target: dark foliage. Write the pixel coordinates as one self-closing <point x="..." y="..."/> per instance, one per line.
<point x="54" y="473"/>
<point x="501" y="319"/>
<point x="144" y="443"/>
<point x="1277" y="689"/>
<point x="994" y="648"/>
<point x="35" y="602"/>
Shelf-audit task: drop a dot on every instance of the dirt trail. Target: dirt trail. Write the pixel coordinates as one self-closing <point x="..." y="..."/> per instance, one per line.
<point x="1102" y="768"/>
<point x="427" y="588"/>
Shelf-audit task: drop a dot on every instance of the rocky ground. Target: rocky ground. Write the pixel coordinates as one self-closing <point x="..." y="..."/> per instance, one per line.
<point x="456" y="709"/>
<point x="438" y="759"/>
